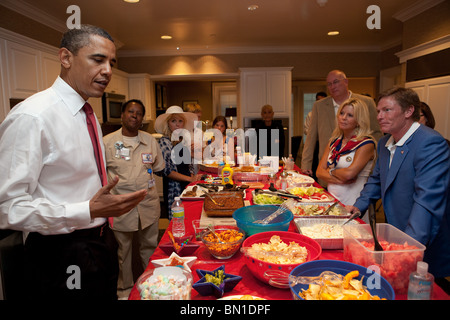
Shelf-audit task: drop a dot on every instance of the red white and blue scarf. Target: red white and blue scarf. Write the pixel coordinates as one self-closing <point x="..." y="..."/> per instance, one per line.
<point x="336" y="150"/>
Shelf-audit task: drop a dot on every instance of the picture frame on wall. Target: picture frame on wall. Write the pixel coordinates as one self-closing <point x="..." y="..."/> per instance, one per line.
<point x="188" y="102"/>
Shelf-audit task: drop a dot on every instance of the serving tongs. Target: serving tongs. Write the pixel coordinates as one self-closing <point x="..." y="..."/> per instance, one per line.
<point x="285" y="206"/>
<point x="278" y="193"/>
<point x="281" y="279"/>
<point x="373" y="226"/>
<point x="330" y="207"/>
<point x="209" y="186"/>
<point x="354" y="215"/>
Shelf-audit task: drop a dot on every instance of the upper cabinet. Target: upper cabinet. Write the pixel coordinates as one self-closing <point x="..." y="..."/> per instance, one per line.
<point x="139" y="87"/>
<point x="260" y="86"/>
<point x="23" y="69"/>
<point x="118" y="83"/>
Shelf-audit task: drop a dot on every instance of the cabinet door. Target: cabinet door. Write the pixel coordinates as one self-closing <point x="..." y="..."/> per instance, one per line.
<point x="118" y="83"/>
<point x="24" y="70"/>
<point x="253" y="93"/>
<point x="139" y="88"/>
<point x="279" y="92"/>
<point x="436" y="93"/>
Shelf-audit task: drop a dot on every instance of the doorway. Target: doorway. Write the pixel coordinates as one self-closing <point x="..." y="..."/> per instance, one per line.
<point x="303" y="98"/>
<point x="224" y="95"/>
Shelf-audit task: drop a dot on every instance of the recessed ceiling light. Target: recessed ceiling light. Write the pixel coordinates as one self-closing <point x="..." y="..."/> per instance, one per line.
<point x="252" y="7"/>
<point x="333" y="33"/>
<point x="166" y="37"/>
<point x="131" y="1"/>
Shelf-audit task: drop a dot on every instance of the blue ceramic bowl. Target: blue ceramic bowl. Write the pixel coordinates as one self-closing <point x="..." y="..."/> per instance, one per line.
<point x="246" y="216"/>
<point x="377" y="286"/>
<point x="208" y="288"/>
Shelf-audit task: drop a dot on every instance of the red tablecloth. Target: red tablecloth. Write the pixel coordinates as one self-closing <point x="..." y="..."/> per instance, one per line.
<point x="236" y="265"/>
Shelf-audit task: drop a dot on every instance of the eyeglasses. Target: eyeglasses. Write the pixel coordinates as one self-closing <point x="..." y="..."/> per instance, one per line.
<point x="329" y="84"/>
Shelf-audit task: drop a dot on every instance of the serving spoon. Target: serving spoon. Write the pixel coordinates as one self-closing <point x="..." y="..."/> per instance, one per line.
<point x="214" y="201"/>
<point x="210" y="229"/>
<point x="281" y="279"/>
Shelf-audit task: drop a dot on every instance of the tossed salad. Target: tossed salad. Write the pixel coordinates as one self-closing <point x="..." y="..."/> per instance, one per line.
<point x="267" y="199"/>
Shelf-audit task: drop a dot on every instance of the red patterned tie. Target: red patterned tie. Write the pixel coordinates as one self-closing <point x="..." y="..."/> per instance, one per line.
<point x="92" y="128"/>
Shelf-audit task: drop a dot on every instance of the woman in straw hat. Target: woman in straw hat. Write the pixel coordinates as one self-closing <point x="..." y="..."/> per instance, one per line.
<point x="178" y="172"/>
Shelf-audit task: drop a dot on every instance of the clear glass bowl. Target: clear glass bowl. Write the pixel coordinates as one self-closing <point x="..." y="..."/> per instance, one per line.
<point x="165" y="283"/>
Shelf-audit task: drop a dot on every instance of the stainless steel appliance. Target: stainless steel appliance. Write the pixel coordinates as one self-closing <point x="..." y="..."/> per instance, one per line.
<point x="112" y="107"/>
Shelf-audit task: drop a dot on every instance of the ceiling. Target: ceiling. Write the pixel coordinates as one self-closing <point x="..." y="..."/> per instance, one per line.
<point x="228" y="26"/>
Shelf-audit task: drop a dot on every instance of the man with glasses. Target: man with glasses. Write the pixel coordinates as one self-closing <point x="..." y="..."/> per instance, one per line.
<point x="324" y="114"/>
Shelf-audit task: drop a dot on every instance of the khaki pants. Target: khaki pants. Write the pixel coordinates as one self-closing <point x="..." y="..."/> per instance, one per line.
<point x="148" y="241"/>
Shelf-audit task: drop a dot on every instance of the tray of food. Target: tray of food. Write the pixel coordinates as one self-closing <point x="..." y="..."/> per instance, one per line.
<point x="317" y="210"/>
<point x="223" y="204"/>
<point x="296" y="179"/>
<point x="263" y="198"/>
<point x="311" y="194"/>
<point x="197" y="192"/>
<point x="327" y="232"/>
<point x="249" y="177"/>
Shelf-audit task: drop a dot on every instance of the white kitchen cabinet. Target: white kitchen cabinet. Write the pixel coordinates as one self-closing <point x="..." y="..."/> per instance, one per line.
<point x="23" y="70"/>
<point x="118" y="83"/>
<point x="139" y="87"/>
<point x="260" y="86"/>
<point x="436" y="93"/>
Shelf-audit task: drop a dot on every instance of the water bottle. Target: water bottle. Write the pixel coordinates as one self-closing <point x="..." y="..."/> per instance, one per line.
<point x="178" y="228"/>
<point x="239" y="158"/>
<point x="420" y="283"/>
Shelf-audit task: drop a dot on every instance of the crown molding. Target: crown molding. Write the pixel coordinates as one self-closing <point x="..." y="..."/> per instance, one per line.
<point x="42" y="17"/>
<point x="18" y="38"/>
<point x="34" y="13"/>
<point x="420" y="50"/>
<point x="415" y="9"/>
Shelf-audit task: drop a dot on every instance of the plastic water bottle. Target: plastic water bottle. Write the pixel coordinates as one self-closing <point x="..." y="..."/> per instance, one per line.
<point x="420" y="283"/>
<point x="239" y="158"/>
<point x="178" y="228"/>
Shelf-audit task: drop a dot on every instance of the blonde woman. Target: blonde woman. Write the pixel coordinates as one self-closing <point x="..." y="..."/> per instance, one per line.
<point x="177" y="173"/>
<point x="348" y="159"/>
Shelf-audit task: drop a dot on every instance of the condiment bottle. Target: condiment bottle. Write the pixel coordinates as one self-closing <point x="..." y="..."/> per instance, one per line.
<point x="283" y="181"/>
<point x="227" y="174"/>
<point x="420" y="283"/>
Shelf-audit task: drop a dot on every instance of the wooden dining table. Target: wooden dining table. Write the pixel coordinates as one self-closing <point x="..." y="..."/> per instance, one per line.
<point x="236" y="265"/>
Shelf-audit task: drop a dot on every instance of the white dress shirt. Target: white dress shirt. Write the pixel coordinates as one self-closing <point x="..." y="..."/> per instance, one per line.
<point x="48" y="171"/>
<point x="391" y="145"/>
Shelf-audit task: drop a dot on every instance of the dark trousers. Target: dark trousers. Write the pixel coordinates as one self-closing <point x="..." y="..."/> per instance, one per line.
<point x="80" y="265"/>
